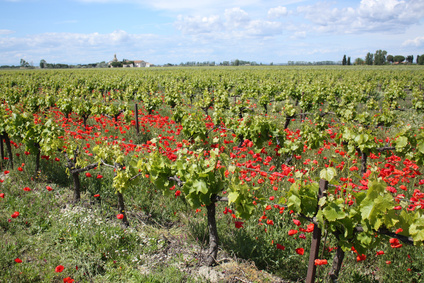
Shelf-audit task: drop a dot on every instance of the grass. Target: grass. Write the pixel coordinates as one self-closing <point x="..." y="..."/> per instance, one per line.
<point x="165" y="242"/>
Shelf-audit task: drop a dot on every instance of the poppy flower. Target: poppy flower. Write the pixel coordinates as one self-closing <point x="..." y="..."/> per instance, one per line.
<point x="310" y="228"/>
<point x="88" y="175"/>
<point x="57" y="159"/>
<point x="239" y="224"/>
<point x="394" y="243"/>
<point x="296" y="222"/>
<point x="59" y="268"/>
<point x="120" y="216"/>
<point x="26" y="189"/>
<point x="380" y="252"/>
<point x="49" y="188"/>
<point x="2" y="195"/>
<point x="177" y="193"/>
<point x="15" y="214"/>
<point x="18" y="260"/>
<point x="68" y="280"/>
<point x="20" y="169"/>
<point x="269" y="222"/>
<point x="321" y="262"/>
<point x="281" y="247"/>
<point x="300" y="251"/>
<point x="292" y="232"/>
<point x="6" y="172"/>
<point x="400" y="230"/>
<point x="96" y="196"/>
<point x="361" y="257"/>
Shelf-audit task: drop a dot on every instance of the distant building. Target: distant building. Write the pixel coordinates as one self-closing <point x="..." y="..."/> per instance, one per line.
<point x="130" y="64"/>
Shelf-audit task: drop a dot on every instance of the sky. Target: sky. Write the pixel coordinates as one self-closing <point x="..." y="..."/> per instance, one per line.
<point x="175" y="31"/>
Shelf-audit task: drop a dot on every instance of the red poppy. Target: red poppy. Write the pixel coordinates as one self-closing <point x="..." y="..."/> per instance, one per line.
<point x="394" y="243"/>
<point x="26" y="189"/>
<point x="120" y="216"/>
<point x="281" y="247"/>
<point x="239" y="224"/>
<point x="269" y="222"/>
<point x="20" y="169"/>
<point x="59" y="268"/>
<point x="380" y="252"/>
<point x="15" y="214"/>
<point x="310" y="228"/>
<point x="96" y="196"/>
<point x="177" y="193"/>
<point x="292" y="232"/>
<point x="400" y="230"/>
<point x="361" y="257"/>
<point x="300" y="251"/>
<point x="99" y="176"/>
<point x="2" y="195"/>
<point x="49" y="188"/>
<point x="57" y="159"/>
<point x="68" y="280"/>
<point x="88" y="174"/>
<point x="6" y="172"/>
<point x="296" y="222"/>
<point x="18" y="260"/>
<point x="321" y="262"/>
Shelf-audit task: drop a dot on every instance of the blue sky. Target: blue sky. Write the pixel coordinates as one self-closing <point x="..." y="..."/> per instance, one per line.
<point x="174" y="31"/>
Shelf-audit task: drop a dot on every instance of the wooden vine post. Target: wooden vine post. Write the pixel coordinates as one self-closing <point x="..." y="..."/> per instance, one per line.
<point x="316" y="238"/>
<point x="137" y="126"/>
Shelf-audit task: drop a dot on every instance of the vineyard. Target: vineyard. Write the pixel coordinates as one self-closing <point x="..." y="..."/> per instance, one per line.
<point x="302" y="174"/>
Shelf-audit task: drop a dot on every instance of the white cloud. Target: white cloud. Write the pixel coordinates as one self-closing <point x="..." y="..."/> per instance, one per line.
<point x="187" y="6"/>
<point x="369" y="16"/>
<point x="277" y="12"/>
<point x="198" y="24"/>
<point x="6" y="31"/>
<point x="236" y="17"/>
<point x="235" y="23"/>
<point x="417" y="42"/>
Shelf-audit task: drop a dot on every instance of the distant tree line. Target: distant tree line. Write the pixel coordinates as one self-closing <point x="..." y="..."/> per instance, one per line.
<point x="235" y="62"/>
<point x="380" y="57"/>
<point x="45" y="65"/>
<point x="304" y="63"/>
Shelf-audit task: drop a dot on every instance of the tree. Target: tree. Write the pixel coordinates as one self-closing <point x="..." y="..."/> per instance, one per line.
<point x="369" y="59"/>
<point x="410" y="58"/>
<point x="43" y="63"/>
<point x="359" y="61"/>
<point x="420" y="59"/>
<point x="348" y="61"/>
<point x="116" y="64"/>
<point x="380" y="57"/>
<point x="344" y="61"/>
<point x="399" y="58"/>
<point x="24" y="63"/>
<point x="390" y="58"/>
